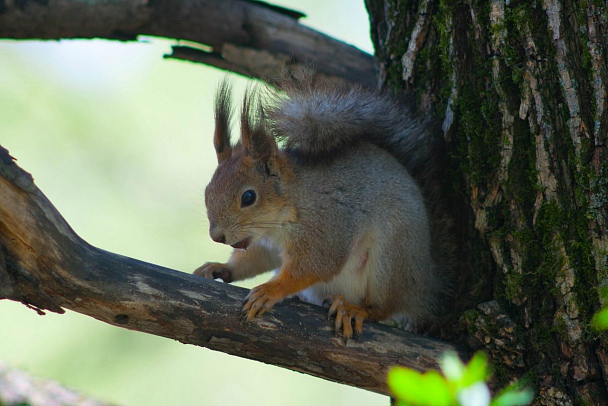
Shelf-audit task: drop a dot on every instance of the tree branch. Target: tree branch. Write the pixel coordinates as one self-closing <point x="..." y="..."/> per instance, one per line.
<point x="247" y="37"/>
<point x="46" y="266"/>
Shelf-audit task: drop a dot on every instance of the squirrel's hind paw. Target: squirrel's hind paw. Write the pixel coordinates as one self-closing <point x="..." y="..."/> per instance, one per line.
<point x="346" y="314"/>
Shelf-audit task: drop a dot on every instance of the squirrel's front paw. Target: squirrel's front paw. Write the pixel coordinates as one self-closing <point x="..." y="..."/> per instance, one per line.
<point x="259" y="300"/>
<point x="346" y="314"/>
<point x="214" y="270"/>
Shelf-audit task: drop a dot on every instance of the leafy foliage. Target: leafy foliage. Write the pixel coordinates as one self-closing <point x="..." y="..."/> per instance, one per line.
<point x="457" y="385"/>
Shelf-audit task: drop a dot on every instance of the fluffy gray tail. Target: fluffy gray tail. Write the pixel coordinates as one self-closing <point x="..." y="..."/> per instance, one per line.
<point x="324" y="118"/>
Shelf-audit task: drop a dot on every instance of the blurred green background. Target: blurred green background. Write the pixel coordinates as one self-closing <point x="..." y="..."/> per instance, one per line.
<point x="120" y="141"/>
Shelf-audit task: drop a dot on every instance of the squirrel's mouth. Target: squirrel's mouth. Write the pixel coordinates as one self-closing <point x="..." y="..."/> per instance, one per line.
<point x="243" y="244"/>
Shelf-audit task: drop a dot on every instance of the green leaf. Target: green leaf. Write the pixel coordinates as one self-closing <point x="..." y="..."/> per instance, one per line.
<point x="452" y="367"/>
<point x="436" y="390"/>
<point x="406" y="384"/>
<point x="476" y="370"/>
<point x="413" y="388"/>
<point x="512" y="397"/>
<point x="600" y="319"/>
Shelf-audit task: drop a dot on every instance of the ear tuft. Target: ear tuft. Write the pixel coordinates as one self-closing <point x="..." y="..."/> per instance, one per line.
<point x="255" y="137"/>
<point x="223" y="113"/>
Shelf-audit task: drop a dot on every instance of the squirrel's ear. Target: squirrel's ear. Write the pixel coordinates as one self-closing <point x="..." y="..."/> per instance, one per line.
<point x="223" y="112"/>
<point x="256" y="139"/>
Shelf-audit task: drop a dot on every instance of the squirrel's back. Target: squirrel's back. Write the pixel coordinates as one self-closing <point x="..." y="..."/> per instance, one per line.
<point x="320" y="118"/>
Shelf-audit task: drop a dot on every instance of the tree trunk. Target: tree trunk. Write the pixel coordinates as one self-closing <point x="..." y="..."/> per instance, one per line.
<point x="520" y="90"/>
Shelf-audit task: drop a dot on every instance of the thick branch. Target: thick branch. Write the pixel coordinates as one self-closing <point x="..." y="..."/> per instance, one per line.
<point x="247" y="37"/>
<point x="48" y="267"/>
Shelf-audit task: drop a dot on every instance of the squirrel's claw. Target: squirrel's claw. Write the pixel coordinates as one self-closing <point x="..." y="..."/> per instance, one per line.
<point x="214" y="270"/>
<point x="258" y="301"/>
<point x="346" y="314"/>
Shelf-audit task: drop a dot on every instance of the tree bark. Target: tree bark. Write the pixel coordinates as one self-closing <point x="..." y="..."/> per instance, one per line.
<point x="520" y="88"/>
<point x="251" y="38"/>
<point x="46" y="266"/>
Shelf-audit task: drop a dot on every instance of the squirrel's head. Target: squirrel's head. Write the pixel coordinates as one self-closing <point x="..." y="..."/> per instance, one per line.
<point x="247" y="198"/>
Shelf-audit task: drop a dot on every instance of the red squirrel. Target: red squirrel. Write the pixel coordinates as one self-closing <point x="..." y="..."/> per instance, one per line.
<point x="335" y="211"/>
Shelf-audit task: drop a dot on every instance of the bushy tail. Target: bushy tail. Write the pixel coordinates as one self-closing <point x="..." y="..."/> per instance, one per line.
<point x="321" y="118"/>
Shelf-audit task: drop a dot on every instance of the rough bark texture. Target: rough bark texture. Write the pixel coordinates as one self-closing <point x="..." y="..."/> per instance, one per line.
<point x="46" y="266"/>
<point x="251" y="38"/>
<point x="520" y="87"/>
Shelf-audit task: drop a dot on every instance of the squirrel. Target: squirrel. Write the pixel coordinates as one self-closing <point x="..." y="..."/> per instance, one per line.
<point x="336" y="211"/>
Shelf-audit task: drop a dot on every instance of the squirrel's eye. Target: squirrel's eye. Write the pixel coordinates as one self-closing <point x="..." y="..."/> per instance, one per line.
<point x="248" y="198"/>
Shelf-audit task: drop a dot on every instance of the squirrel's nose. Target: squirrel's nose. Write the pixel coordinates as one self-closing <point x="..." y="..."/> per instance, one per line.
<point x="217" y="235"/>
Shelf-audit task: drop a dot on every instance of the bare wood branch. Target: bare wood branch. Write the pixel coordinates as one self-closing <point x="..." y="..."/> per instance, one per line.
<point x="48" y="267"/>
<point x="250" y="38"/>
